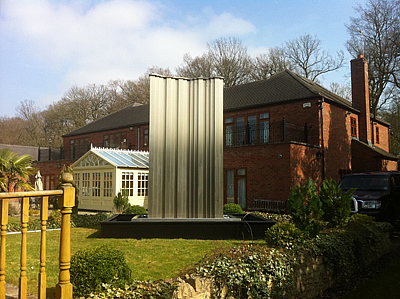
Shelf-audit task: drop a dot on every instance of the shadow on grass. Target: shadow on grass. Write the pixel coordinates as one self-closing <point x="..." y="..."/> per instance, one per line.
<point x="95" y="235"/>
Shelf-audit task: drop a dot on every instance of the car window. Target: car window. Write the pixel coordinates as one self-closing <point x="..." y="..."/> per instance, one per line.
<point x="365" y="182"/>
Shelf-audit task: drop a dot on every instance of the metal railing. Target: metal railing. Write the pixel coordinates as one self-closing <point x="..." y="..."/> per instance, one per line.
<point x="74" y="151"/>
<point x="66" y="203"/>
<point x="265" y="132"/>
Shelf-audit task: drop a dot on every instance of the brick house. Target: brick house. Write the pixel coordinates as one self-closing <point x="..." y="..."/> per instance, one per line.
<point x="278" y="132"/>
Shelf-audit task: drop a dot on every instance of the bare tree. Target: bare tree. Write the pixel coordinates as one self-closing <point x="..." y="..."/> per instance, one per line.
<point x="196" y="67"/>
<point x="306" y="54"/>
<point x="341" y="90"/>
<point x="225" y="57"/>
<point x="230" y="60"/>
<point x="375" y="33"/>
<point x="33" y="119"/>
<point x="12" y="131"/>
<point x="268" y="64"/>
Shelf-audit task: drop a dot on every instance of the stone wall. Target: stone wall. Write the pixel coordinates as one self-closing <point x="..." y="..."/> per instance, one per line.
<point x="311" y="277"/>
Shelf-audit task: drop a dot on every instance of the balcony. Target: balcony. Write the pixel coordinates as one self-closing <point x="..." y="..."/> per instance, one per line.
<point x="265" y="132"/>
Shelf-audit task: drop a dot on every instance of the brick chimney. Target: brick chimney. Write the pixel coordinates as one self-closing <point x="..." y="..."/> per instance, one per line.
<point x="360" y="95"/>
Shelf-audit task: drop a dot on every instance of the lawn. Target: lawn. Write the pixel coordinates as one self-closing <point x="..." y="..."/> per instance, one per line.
<point x="149" y="259"/>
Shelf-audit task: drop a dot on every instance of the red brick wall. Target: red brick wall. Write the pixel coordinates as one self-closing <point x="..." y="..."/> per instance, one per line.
<point x="272" y="169"/>
<point x="98" y="137"/>
<point x="384" y="136"/>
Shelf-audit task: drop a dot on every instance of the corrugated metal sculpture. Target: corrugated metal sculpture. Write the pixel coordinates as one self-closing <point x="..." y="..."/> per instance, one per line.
<point x="186" y="147"/>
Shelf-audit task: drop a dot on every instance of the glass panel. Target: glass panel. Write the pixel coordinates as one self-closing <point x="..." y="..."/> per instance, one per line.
<point x="229" y="120"/>
<point x="240" y="130"/>
<point x="242" y="192"/>
<point x="229" y="135"/>
<point x="252" y="128"/>
<point x="241" y="172"/>
<point x="230" y="190"/>
<point x="264" y="131"/>
<point x="264" y="115"/>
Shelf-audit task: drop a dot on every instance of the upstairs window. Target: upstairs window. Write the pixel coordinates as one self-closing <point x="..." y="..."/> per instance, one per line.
<point x="377" y="135"/>
<point x="146" y="137"/>
<point x="229" y="131"/>
<point x="353" y="122"/>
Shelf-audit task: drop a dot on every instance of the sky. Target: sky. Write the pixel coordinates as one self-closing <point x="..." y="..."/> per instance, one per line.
<point x="49" y="46"/>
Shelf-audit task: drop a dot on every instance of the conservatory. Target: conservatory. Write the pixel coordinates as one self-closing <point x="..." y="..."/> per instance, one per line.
<point x="101" y="173"/>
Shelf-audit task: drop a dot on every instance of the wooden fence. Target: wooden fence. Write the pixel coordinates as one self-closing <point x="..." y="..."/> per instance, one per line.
<point x="66" y="202"/>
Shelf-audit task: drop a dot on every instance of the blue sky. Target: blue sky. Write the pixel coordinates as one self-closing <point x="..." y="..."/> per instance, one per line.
<point x="48" y="46"/>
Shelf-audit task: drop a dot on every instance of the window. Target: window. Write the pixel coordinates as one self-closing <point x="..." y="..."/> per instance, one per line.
<point x="252" y="129"/>
<point x="77" y="182"/>
<point x="128" y="182"/>
<point x="146" y="137"/>
<point x="107" y="184"/>
<point x="377" y="135"/>
<point x="353" y="122"/>
<point x="85" y="184"/>
<point x="96" y="184"/>
<point x="236" y="186"/>
<point x="143" y="184"/>
<point x="229" y="131"/>
<point x="264" y="115"/>
<point x="264" y="131"/>
<point x="240" y="130"/>
<point x="117" y="140"/>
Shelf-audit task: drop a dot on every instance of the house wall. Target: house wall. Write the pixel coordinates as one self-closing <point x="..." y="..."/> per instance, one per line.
<point x="273" y="169"/>
<point x="384" y="135"/>
<point x="337" y="140"/>
<point x="97" y="138"/>
<point x="50" y="171"/>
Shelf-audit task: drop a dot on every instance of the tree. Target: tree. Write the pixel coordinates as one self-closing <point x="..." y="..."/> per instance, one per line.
<point x="12" y="130"/>
<point x="374" y="32"/>
<point x="227" y="58"/>
<point x="341" y="90"/>
<point x="33" y="120"/>
<point x="308" y="58"/>
<point x="15" y="171"/>
<point x="268" y="64"/>
<point x="391" y="114"/>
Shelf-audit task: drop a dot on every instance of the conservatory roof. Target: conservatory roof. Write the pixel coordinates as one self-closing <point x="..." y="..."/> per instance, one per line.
<point x="115" y="157"/>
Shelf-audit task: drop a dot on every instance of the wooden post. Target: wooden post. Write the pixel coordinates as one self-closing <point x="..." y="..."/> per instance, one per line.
<point x="3" y="222"/>
<point x="44" y="213"/>
<point x="23" y="281"/>
<point x="66" y="203"/>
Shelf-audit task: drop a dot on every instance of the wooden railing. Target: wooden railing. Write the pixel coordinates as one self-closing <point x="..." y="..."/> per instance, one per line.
<point x="66" y="202"/>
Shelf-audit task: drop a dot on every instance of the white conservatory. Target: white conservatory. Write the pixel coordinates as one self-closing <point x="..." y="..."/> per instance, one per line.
<point x="101" y="173"/>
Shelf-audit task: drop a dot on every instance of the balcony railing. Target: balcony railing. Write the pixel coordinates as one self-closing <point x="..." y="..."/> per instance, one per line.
<point x="66" y="202"/>
<point x="74" y="151"/>
<point x="265" y="132"/>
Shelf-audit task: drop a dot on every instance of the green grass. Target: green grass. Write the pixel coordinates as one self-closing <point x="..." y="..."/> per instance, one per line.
<point x="149" y="259"/>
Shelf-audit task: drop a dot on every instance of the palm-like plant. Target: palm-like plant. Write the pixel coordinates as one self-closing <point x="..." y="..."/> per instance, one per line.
<point x="15" y="171"/>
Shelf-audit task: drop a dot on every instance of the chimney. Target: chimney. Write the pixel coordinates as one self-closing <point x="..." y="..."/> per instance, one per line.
<point x="360" y="95"/>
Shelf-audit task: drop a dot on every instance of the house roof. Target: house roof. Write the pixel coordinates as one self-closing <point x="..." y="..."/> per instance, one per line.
<point x="377" y="150"/>
<point x="282" y="87"/>
<point x="115" y="157"/>
<point x="130" y="116"/>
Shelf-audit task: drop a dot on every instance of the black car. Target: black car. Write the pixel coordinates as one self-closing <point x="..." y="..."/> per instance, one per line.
<point x="377" y="194"/>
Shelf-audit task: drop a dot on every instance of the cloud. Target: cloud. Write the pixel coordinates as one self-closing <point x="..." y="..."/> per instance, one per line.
<point x="105" y="40"/>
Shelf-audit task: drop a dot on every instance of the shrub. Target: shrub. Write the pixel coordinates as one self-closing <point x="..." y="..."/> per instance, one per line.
<point x="305" y="208"/>
<point x="92" y="267"/>
<point x="33" y="212"/>
<point x="284" y="235"/>
<point x="249" y="271"/>
<point x="360" y="218"/>
<point x="275" y="217"/>
<point x="121" y="201"/>
<point x="54" y="219"/>
<point x="135" y="209"/>
<point x="232" y="208"/>
<point x="89" y="220"/>
<point x="139" y="290"/>
<point x="336" y="205"/>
